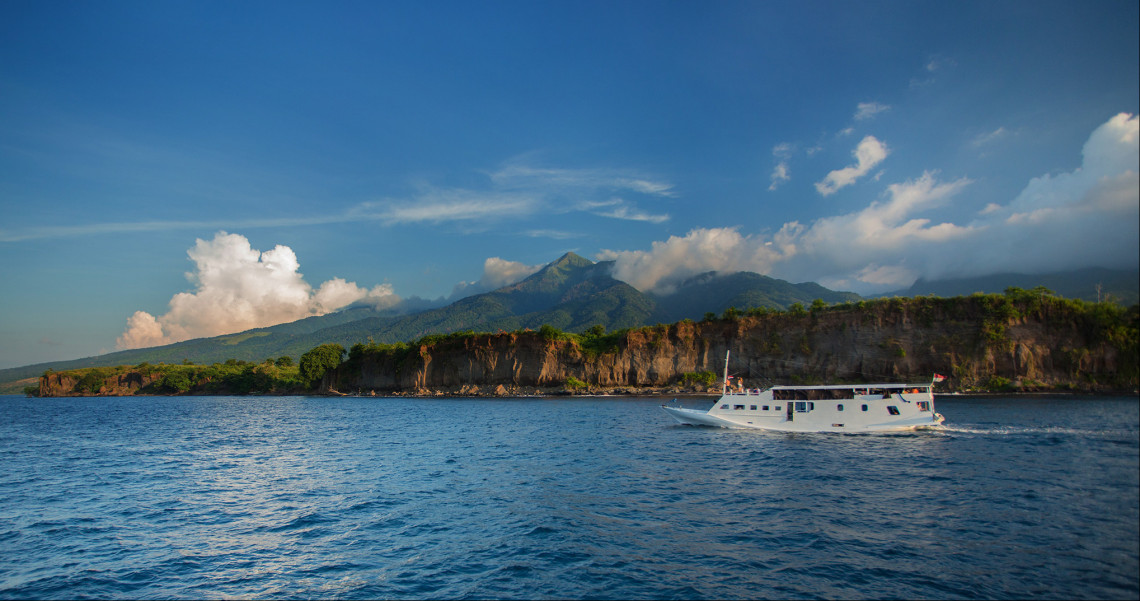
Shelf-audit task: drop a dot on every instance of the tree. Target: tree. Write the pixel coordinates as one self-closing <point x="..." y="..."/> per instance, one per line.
<point x="176" y="381"/>
<point x="318" y="361"/>
<point x="285" y="361"/>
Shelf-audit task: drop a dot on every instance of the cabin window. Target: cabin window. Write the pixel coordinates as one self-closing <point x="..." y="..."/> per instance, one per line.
<point x="923" y="405"/>
<point x="892" y="410"/>
<point x="777" y="407"/>
<point x="766" y="407"/>
<point x="738" y="407"/>
<point x="752" y="407"/>
<point x="724" y="406"/>
<point x="864" y="407"/>
<point x="803" y="407"/>
<point x="839" y="407"/>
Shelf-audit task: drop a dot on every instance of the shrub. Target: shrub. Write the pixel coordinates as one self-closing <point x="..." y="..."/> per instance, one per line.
<point x="575" y="383"/>
<point x="998" y="383"/>
<point x="318" y="361"/>
<point x="175" y="382"/>
<point x="703" y="378"/>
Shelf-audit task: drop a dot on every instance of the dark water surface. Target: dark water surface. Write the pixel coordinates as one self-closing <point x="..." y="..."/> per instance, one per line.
<point x="286" y="497"/>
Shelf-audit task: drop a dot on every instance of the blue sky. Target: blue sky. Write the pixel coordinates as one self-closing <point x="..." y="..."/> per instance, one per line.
<point x="176" y="169"/>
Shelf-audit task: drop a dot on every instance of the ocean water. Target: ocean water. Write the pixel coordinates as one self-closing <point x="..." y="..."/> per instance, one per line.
<point x="306" y="497"/>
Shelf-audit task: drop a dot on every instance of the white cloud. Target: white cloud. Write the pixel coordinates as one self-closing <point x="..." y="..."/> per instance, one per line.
<point x="868" y="153"/>
<point x="238" y="288"/>
<point x="518" y="174"/>
<point x="552" y="234"/>
<point x="1087" y="217"/>
<point x="701" y="250"/>
<point x="516" y="190"/>
<point x="497" y="273"/>
<point x="986" y="139"/>
<point x="780" y="175"/>
<point x="866" y="110"/>
<point x="618" y="208"/>
<point x="337" y="293"/>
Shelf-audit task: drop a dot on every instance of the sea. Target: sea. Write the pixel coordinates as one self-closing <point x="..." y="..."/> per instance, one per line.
<point x="559" y="498"/>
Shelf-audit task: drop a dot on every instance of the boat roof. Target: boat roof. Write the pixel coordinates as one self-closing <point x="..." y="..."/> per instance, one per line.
<point x="849" y="386"/>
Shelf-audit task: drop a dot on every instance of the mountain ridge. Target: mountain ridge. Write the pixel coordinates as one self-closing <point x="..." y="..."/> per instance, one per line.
<point x="571" y="293"/>
<point x="1085" y="284"/>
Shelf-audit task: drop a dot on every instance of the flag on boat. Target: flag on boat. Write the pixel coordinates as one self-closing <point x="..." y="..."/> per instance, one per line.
<point x="939" y="377"/>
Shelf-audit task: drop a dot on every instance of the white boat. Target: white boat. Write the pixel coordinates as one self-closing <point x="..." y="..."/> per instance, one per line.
<point x="830" y="408"/>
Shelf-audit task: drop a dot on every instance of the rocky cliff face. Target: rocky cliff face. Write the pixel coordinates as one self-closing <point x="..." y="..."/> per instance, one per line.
<point x="984" y="342"/>
<point x="70" y="384"/>
<point x="904" y="341"/>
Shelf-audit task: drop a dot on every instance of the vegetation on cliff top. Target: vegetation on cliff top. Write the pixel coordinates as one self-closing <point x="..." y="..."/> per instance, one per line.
<point x="1100" y="323"/>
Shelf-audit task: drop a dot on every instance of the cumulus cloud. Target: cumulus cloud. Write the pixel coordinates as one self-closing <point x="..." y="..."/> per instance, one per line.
<point x="868" y="153"/>
<point x="668" y="263"/>
<point x="497" y="273"/>
<point x="866" y="110"/>
<point x="1086" y="217"/>
<point x="238" y="288"/>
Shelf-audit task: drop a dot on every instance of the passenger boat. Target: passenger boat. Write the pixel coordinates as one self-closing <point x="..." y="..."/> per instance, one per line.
<point x="830" y="408"/>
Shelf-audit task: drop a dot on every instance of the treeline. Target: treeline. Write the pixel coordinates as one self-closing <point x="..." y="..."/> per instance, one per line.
<point x="1100" y="323"/>
<point x="281" y="375"/>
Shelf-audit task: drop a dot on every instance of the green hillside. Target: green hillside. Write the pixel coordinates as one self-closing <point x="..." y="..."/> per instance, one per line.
<point x="713" y="293"/>
<point x="571" y="294"/>
<point x="1093" y="285"/>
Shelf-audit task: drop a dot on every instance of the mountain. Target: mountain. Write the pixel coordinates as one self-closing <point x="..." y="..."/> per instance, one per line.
<point x="713" y="292"/>
<point x="1122" y="284"/>
<point x="571" y="294"/>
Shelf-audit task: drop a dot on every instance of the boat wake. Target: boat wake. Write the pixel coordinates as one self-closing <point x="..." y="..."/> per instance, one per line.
<point x="1016" y="430"/>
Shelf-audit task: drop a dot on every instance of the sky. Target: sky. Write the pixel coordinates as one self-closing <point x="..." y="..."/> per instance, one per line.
<point x="171" y="170"/>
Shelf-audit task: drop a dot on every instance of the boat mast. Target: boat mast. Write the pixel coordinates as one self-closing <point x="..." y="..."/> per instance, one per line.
<point x="724" y="385"/>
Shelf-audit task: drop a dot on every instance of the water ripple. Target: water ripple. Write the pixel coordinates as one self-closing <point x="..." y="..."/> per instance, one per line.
<point x="215" y="497"/>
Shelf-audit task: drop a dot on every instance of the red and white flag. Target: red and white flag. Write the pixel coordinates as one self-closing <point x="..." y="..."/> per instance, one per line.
<point x="939" y="377"/>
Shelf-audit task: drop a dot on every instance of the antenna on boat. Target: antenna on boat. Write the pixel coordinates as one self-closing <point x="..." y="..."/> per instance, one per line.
<point x="724" y="385"/>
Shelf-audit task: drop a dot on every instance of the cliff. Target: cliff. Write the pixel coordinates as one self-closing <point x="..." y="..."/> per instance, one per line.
<point x="981" y="342"/>
<point x="94" y="383"/>
<point x="1023" y="340"/>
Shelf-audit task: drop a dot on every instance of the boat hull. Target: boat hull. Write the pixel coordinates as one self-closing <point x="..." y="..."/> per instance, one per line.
<point x="869" y="408"/>
<point x="694" y="417"/>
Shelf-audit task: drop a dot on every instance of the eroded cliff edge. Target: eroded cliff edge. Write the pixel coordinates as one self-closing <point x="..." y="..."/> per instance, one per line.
<point x="1022" y="341"/>
<point x="980" y="342"/>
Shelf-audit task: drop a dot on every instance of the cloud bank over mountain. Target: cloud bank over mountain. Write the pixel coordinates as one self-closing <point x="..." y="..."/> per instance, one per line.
<point x="497" y="272"/>
<point x="1086" y="217"/>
